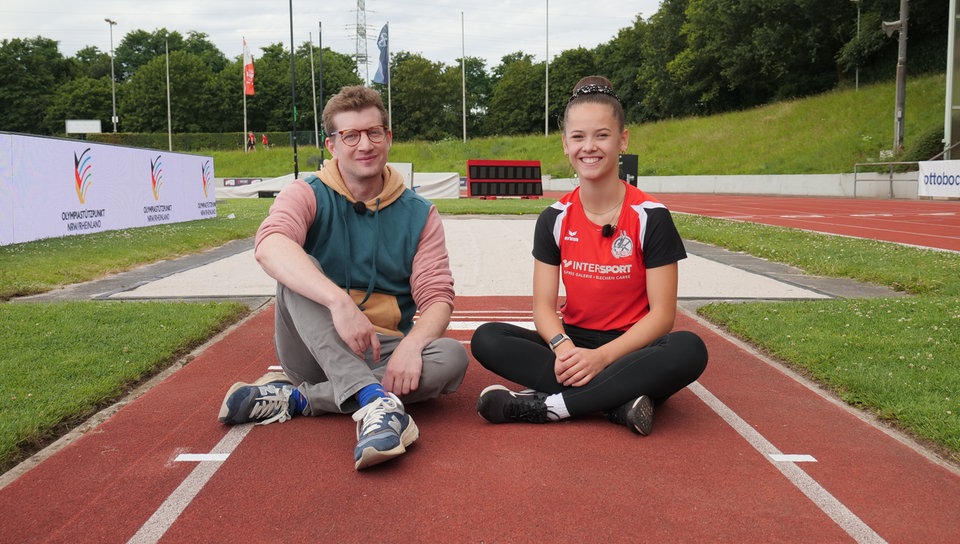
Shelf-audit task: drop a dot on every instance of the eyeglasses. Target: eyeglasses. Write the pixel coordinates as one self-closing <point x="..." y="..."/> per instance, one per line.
<point x="351" y="136"/>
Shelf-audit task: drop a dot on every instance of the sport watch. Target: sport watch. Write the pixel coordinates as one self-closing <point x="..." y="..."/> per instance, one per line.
<point x="557" y="340"/>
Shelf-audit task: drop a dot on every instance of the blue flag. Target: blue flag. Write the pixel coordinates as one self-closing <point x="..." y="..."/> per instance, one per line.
<point x="383" y="72"/>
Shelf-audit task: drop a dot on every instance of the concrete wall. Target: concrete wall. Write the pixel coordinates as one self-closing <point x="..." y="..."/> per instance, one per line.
<point x="868" y="185"/>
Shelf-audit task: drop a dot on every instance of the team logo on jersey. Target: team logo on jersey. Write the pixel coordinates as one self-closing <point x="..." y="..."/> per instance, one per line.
<point x="622" y="246"/>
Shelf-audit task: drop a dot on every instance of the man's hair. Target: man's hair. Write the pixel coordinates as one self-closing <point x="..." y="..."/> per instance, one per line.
<point x="353" y="98"/>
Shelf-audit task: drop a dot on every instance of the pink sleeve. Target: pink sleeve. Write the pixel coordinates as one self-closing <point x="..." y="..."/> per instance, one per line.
<point x="432" y="280"/>
<point x="291" y="214"/>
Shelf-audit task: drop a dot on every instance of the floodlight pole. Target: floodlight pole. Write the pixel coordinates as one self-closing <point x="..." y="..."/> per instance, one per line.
<point x="313" y="82"/>
<point x="113" y="79"/>
<point x="901" y="78"/>
<point x="322" y="137"/>
<point x="293" y="96"/>
<point x="857" y="2"/>
<point x="546" y="81"/>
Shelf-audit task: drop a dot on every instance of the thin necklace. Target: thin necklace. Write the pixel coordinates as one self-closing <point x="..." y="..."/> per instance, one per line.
<point x="617" y="205"/>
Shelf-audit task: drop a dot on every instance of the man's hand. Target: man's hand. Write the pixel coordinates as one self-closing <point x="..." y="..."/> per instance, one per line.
<point x="403" y="370"/>
<point x="355" y="329"/>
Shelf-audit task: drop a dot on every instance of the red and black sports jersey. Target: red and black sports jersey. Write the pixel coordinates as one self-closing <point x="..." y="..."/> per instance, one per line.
<point x="605" y="277"/>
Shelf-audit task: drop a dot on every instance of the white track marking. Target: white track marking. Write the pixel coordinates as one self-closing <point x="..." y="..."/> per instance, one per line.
<point x="828" y="504"/>
<point x="161" y="520"/>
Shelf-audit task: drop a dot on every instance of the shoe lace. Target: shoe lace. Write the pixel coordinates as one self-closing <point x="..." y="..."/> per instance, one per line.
<point x="530" y="409"/>
<point x="372" y="414"/>
<point x="273" y="405"/>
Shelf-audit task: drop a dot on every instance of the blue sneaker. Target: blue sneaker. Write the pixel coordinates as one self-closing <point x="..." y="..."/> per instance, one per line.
<point x="266" y="400"/>
<point x="384" y="431"/>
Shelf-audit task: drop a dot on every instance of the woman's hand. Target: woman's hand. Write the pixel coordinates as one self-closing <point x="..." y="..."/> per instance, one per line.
<point x="576" y="366"/>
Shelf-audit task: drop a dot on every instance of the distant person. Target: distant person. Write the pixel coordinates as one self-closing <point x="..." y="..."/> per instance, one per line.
<point x="615" y="248"/>
<point x="355" y="254"/>
<point x="263" y="141"/>
<point x="251" y="142"/>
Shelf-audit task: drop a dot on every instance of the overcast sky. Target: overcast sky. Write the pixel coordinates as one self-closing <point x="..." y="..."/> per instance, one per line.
<point x="490" y="29"/>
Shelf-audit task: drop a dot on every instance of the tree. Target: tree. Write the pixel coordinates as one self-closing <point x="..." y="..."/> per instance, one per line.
<point x="144" y="100"/>
<point x="81" y="98"/>
<point x="659" y="94"/>
<point x="32" y="69"/>
<point x="91" y="62"/>
<point x="139" y="47"/>
<point x="199" y="44"/>
<point x="478" y="88"/>
<point x="565" y="71"/>
<point x="424" y="104"/>
<point x="516" y="106"/>
<point x="742" y="53"/>
<point x="621" y="60"/>
<point x="338" y="71"/>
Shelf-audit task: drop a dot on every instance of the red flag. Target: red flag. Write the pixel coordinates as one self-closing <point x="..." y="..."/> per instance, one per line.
<point x="247" y="69"/>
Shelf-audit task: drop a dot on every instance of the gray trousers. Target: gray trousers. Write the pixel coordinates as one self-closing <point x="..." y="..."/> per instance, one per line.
<point x="329" y="374"/>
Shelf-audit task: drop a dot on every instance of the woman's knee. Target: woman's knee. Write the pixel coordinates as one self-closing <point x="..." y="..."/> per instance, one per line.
<point x="693" y="351"/>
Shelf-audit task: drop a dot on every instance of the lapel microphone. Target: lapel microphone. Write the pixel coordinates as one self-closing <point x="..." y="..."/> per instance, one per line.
<point x="359" y="207"/>
<point x="608" y="230"/>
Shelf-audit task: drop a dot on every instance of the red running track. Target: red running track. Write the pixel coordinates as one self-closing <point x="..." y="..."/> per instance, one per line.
<point x="708" y="473"/>
<point x="927" y="223"/>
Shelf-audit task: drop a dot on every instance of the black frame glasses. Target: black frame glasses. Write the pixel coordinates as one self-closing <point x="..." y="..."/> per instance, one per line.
<point x="351" y="136"/>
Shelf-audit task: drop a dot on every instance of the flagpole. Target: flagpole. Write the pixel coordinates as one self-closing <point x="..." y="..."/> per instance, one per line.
<point x="383" y="72"/>
<point x="546" y="80"/>
<point x="243" y="89"/>
<point x="463" y="78"/>
<point x="166" y="49"/>
<point x="313" y="80"/>
<point x="293" y="96"/>
<point x="320" y="63"/>
<point x="389" y="81"/>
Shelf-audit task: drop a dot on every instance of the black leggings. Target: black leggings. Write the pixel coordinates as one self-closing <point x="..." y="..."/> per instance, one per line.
<point x="659" y="370"/>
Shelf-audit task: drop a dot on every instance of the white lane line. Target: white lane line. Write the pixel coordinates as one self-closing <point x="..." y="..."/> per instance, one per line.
<point x="472" y="325"/>
<point x="794" y="458"/>
<point x="201" y="458"/>
<point x="161" y="520"/>
<point x="828" y="504"/>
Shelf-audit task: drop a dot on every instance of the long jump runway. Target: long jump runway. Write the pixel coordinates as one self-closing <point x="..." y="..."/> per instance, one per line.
<point x="746" y="454"/>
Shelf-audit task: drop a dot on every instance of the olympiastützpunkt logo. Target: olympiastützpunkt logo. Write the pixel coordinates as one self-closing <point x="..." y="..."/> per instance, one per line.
<point x="156" y="176"/>
<point x="206" y="174"/>
<point x="81" y="173"/>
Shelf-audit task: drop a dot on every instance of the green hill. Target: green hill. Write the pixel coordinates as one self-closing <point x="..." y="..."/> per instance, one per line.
<point x="827" y="133"/>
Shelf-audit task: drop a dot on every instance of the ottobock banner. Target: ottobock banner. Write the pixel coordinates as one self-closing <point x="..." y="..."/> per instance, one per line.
<point x="939" y="178"/>
<point x="51" y="187"/>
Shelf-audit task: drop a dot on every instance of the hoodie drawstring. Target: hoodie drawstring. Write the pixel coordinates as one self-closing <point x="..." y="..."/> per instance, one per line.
<point x="373" y="264"/>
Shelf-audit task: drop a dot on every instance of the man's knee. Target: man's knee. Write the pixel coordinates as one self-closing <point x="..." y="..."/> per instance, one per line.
<point x="446" y="360"/>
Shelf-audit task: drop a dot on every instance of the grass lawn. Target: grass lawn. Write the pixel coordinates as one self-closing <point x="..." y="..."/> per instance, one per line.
<point x="62" y="362"/>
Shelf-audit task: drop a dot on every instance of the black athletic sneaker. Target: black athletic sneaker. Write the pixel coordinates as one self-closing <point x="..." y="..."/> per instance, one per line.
<point x="497" y="404"/>
<point x="636" y="414"/>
